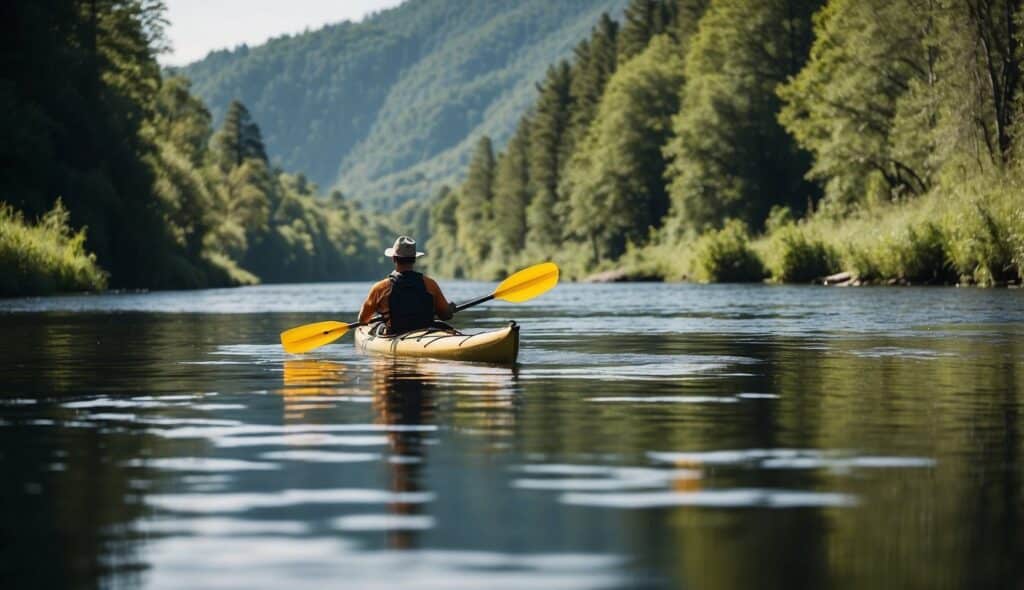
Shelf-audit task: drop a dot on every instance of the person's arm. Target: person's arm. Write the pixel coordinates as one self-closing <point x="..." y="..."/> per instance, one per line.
<point x="443" y="308"/>
<point x="370" y="304"/>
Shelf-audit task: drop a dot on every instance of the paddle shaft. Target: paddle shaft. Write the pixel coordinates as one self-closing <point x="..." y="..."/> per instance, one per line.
<point x="472" y="302"/>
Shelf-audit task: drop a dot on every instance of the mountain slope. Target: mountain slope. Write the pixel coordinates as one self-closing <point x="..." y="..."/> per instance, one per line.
<point x="388" y="108"/>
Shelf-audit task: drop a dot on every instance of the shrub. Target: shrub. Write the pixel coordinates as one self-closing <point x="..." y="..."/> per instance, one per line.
<point x="921" y="256"/>
<point x="798" y="258"/>
<point x="981" y="243"/>
<point x="1017" y="240"/>
<point x="46" y="257"/>
<point x="724" y="256"/>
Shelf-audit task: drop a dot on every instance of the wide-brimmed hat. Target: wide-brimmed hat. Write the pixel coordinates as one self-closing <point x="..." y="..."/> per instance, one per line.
<point x="405" y="247"/>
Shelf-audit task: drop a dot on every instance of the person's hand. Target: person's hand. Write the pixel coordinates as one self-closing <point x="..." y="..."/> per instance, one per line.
<point x="451" y="308"/>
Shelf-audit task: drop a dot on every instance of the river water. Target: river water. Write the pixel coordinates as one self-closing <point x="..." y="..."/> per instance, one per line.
<point x="652" y="436"/>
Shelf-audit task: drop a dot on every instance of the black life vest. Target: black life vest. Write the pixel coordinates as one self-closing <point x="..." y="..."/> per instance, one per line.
<point x="411" y="305"/>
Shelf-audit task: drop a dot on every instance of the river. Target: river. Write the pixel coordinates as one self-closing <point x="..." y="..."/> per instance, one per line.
<point x="652" y="436"/>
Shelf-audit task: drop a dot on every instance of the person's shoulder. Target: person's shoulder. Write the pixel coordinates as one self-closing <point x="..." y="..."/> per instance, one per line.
<point x="380" y="285"/>
<point x="429" y="281"/>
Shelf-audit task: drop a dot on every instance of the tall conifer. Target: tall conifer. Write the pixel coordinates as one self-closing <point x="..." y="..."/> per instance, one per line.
<point x="512" y="192"/>
<point x="473" y="215"/>
<point x="595" y="63"/>
<point x="549" y="151"/>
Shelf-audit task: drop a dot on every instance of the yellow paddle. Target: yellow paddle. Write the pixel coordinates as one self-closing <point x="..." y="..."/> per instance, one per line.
<point x="522" y="286"/>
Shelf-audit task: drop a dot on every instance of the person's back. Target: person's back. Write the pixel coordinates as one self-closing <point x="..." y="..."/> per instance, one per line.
<point x="408" y="300"/>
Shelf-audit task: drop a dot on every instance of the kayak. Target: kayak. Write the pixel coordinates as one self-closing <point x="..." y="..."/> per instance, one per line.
<point x="496" y="346"/>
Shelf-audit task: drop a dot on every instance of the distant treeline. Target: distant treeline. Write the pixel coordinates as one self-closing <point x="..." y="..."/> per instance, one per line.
<point x="385" y="108"/>
<point x="164" y="200"/>
<point x="741" y="140"/>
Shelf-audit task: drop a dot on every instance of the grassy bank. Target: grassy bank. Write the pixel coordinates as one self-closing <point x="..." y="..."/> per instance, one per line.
<point x="970" y="235"/>
<point x="46" y="257"/>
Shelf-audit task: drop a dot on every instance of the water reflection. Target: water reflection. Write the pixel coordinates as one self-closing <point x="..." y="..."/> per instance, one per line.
<point x="304" y="380"/>
<point x="403" y="395"/>
<point x="752" y="439"/>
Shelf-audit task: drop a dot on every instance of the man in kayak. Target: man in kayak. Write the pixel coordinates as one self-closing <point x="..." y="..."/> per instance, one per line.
<point x="407" y="299"/>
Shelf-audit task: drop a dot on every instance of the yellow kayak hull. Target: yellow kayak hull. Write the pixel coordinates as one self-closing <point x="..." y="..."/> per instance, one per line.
<point x="496" y="346"/>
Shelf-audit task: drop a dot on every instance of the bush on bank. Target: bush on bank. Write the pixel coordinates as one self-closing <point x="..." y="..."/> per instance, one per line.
<point x="969" y="233"/>
<point x="796" y="256"/>
<point x="46" y="257"/>
<point x="724" y="256"/>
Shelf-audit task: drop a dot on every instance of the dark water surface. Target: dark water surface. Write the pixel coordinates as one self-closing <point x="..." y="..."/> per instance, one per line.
<point x="653" y="436"/>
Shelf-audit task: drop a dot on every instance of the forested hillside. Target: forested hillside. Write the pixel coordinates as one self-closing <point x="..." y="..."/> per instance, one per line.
<point x="387" y="108"/>
<point x="128" y="178"/>
<point x="737" y="140"/>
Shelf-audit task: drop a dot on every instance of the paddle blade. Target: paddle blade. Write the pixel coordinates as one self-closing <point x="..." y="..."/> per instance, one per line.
<point x="528" y="283"/>
<point x="306" y="338"/>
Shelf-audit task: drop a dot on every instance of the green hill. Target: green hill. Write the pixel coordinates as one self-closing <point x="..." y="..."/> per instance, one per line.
<point x="388" y="108"/>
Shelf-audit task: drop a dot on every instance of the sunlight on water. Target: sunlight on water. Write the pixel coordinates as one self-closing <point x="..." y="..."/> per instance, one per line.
<point x="652" y="436"/>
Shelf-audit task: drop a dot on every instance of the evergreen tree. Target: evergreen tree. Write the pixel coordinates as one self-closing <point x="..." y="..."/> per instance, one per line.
<point x="549" y="152"/>
<point x="247" y="194"/>
<point x="595" y="62"/>
<point x="643" y="20"/>
<point x="473" y="215"/>
<point x="730" y="156"/>
<point x="685" y="15"/>
<point x="614" y="182"/>
<point x="512" y="192"/>
<point x="239" y="138"/>
<point x="444" y="258"/>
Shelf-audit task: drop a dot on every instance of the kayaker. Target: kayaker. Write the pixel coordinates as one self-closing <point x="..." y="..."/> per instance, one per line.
<point x="408" y="299"/>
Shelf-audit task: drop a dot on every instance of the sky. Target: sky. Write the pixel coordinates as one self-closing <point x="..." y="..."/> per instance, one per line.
<point x="200" y="26"/>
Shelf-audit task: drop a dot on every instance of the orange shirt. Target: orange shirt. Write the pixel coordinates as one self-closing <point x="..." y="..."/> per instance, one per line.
<point x="377" y="301"/>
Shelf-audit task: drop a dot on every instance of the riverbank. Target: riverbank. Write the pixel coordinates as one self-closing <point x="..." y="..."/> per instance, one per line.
<point x="972" y="234"/>
<point x="46" y="257"/>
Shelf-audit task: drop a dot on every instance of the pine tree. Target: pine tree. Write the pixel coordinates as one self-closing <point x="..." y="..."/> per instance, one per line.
<point x="473" y="216"/>
<point x="595" y="62"/>
<point x="685" y="16"/>
<point x="512" y="192"/>
<point x="615" y="181"/>
<point x="444" y="258"/>
<point x="239" y="138"/>
<point x="549" y="152"/>
<point x="643" y="20"/>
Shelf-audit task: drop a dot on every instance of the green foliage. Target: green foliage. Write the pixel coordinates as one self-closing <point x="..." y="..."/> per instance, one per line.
<point x="642" y="21"/>
<point x="797" y="257"/>
<point x="549" y="151"/>
<point x="444" y="258"/>
<point x="390" y="107"/>
<point x="168" y="203"/>
<point x="46" y="257"/>
<point x="985" y="237"/>
<point x="473" y="213"/>
<point x="512" y="192"/>
<point x="918" y="255"/>
<point x="857" y="105"/>
<point x="966" y="234"/>
<point x="730" y="156"/>
<point x="239" y="139"/>
<point x="979" y="84"/>
<point x="724" y="256"/>
<point x="594" y="63"/>
<point x="614" y="181"/>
